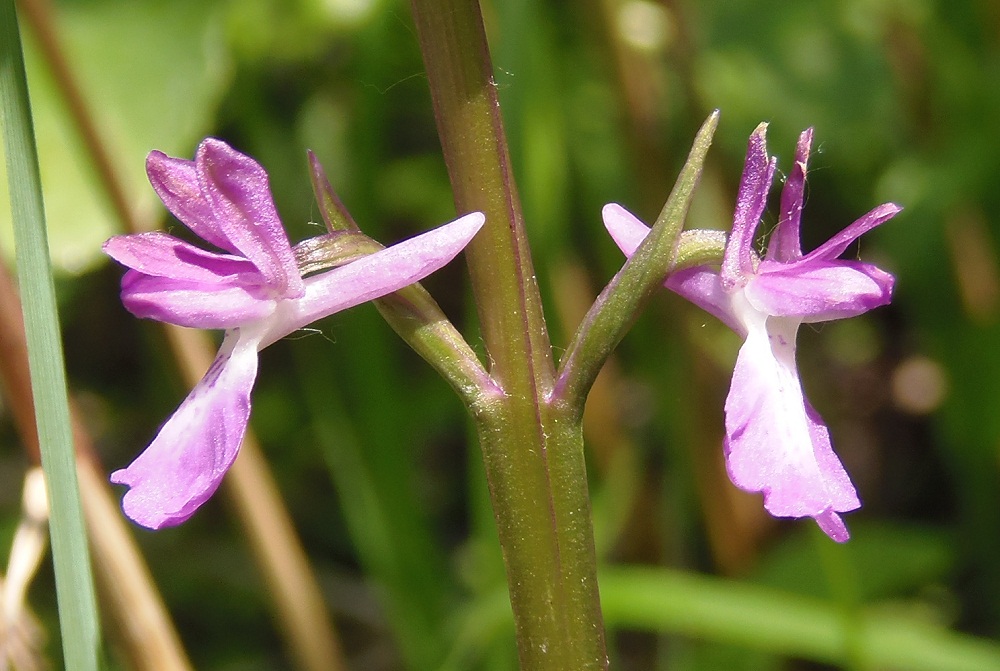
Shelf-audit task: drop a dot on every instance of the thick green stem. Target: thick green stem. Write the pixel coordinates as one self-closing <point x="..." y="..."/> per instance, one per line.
<point x="533" y="449"/>
<point x="460" y="74"/>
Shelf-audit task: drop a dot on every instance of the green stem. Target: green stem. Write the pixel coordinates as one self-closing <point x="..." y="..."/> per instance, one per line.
<point x="74" y="580"/>
<point x="533" y="449"/>
<point x="616" y="308"/>
<point x="460" y="74"/>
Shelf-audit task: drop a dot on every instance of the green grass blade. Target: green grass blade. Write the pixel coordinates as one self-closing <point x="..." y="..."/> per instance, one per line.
<point x="765" y="619"/>
<point x="755" y="617"/>
<point x="74" y="583"/>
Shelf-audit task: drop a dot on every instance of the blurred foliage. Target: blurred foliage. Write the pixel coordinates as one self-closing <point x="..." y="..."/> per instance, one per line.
<point x="601" y="99"/>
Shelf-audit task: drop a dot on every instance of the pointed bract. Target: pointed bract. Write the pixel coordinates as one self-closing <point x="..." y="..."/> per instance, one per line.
<point x="776" y="443"/>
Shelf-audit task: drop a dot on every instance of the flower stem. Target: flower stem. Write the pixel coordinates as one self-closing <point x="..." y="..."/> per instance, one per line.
<point x="533" y="449"/>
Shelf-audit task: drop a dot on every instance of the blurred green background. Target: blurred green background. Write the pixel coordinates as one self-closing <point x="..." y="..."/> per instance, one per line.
<point x="601" y="99"/>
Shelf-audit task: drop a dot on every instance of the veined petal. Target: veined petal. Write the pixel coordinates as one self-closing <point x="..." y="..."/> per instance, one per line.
<point x="208" y="305"/>
<point x="185" y="463"/>
<point x="240" y="195"/>
<point x="775" y="443"/>
<point x="373" y="276"/>
<point x="836" y="245"/>
<point x="819" y="290"/>
<point x="785" y="244"/>
<point x="162" y="255"/>
<point x="758" y="173"/>
<point x="703" y="287"/>
<point x="625" y="228"/>
<point x="833" y="526"/>
<point x="176" y="183"/>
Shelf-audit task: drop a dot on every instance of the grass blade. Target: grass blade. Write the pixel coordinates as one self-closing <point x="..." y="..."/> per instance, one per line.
<point x="74" y="582"/>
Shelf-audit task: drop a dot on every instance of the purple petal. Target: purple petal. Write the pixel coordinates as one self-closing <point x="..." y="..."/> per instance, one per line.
<point x="208" y="305"/>
<point x="775" y="442"/>
<point x="185" y="463"/>
<point x="703" y="287"/>
<point x="785" y="242"/>
<point x="819" y="290"/>
<point x="163" y="255"/>
<point x="175" y="181"/>
<point x="832" y="526"/>
<point x="758" y="172"/>
<point x="374" y="276"/>
<point x="240" y="195"/>
<point x="625" y="229"/>
<point x="836" y="245"/>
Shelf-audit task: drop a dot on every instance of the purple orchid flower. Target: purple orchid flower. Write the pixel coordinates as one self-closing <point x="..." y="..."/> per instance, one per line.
<point x="776" y="443"/>
<point x="252" y="289"/>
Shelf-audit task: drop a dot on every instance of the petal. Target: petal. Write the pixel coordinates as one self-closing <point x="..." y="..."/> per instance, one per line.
<point x="239" y="192"/>
<point x="700" y="285"/>
<point x="625" y="229"/>
<point x="176" y="183"/>
<point x="775" y="443"/>
<point x="703" y="287"/>
<point x="785" y="242"/>
<point x="836" y="245"/>
<point x="163" y="255"/>
<point x="185" y="463"/>
<point x="758" y="172"/>
<point x="832" y="526"/>
<point x="819" y="290"/>
<point x="373" y="276"/>
<point x="207" y="305"/>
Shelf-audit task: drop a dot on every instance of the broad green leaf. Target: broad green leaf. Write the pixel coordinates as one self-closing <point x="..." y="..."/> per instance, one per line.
<point x="151" y="74"/>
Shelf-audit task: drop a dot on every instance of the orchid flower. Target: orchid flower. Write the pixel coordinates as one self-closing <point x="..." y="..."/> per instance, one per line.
<point x="253" y="289"/>
<point x="776" y="443"/>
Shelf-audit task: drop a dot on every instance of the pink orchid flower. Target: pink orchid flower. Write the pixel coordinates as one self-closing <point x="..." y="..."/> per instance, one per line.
<point x="253" y="290"/>
<point x="776" y="443"/>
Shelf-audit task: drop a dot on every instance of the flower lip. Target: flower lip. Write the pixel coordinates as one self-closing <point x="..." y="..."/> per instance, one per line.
<point x="191" y="453"/>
